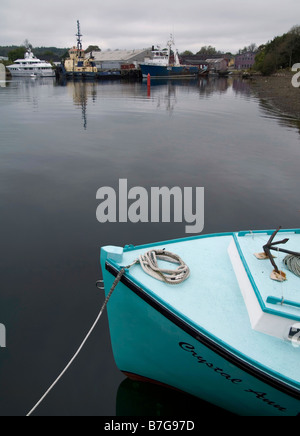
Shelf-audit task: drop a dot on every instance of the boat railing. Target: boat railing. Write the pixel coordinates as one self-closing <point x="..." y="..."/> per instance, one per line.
<point x="282" y="301"/>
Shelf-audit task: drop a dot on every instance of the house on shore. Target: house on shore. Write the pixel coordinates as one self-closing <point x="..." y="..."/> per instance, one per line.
<point x="217" y="65"/>
<point x="244" y="61"/>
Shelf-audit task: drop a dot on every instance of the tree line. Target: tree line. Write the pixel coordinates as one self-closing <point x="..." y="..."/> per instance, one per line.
<point x="50" y="54"/>
<point x="282" y="52"/>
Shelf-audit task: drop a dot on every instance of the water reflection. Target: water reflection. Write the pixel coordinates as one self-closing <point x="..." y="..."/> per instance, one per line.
<point x="163" y="93"/>
<point x="59" y="144"/>
<point x="268" y="110"/>
<point x="81" y="93"/>
<point x="136" y="398"/>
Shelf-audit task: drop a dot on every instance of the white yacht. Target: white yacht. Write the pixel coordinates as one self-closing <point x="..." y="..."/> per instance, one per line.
<point x="30" y="66"/>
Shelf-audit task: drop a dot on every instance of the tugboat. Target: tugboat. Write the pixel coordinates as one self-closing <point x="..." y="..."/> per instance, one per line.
<point x="77" y="66"/>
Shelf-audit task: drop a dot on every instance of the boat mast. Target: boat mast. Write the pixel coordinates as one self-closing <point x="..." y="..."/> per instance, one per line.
<point x="79" y="35"/>
<point x="171" y="43"/>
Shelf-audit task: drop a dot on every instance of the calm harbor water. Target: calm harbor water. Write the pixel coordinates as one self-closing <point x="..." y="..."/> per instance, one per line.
<point x="59" y="144"/>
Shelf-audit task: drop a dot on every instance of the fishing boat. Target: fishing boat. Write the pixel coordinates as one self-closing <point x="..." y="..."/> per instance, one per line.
<point x="30" y="66"/>
<point x="216" y="316"/>
<point x="161" y="65"/>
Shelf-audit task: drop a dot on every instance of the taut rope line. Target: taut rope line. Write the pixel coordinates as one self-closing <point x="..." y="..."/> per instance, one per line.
<point x="118" y="278"/>
<point x="149" y="264"/>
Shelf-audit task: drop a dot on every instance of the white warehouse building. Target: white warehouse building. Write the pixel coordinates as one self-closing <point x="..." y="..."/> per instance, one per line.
<point x="114" y="59"/>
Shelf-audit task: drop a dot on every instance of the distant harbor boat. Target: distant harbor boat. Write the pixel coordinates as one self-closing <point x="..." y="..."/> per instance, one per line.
<point x="161" y="65"/>
<point x="31" y="65"/>
<point x="77" y="66"/>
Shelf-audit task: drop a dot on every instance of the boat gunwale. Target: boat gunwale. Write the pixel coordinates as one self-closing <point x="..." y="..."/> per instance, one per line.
<point x="233" y="356"/>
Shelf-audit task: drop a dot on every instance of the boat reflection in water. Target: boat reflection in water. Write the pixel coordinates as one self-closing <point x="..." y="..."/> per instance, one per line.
<point x="136" y="398"/>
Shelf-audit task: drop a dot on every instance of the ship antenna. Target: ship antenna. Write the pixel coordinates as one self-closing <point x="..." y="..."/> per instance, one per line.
<point x="79" y="35"/>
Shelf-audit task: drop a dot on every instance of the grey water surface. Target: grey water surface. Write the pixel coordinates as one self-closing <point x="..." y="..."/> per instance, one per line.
<point x="60" y="143"/>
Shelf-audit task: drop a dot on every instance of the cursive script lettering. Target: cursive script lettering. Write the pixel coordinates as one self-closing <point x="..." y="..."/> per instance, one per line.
<point x="189" y="348"/>
<point x="262" y="396"/>
<point x="259" y="395"/>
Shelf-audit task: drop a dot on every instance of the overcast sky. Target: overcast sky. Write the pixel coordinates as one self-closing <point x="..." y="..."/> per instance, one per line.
<point x="127" y="24"/>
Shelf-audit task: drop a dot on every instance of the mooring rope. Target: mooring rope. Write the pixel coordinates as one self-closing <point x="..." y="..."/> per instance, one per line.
<point x="118" y="278"/>
<point x="293" y="264"/>
<point x="149" y="264"/>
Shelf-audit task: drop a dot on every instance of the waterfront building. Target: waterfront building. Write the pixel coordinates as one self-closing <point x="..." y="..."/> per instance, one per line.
<point x="244" y="61"/>
<point x="115" y="59"/>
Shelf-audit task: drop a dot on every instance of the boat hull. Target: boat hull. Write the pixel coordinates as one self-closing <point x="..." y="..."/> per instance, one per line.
<point x="36" y="72"/>
<point x="81" y="75"/>
<point x="153" y="342"/>
<point x="159" y="71"/>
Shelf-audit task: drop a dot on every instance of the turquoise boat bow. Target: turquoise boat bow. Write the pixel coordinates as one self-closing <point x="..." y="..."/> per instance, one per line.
<point x="228" y="333"/>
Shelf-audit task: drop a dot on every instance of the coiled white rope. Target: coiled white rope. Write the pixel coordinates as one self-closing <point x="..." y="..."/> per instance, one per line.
<point x="149" y="264"/>
<point x="293" y="264"/>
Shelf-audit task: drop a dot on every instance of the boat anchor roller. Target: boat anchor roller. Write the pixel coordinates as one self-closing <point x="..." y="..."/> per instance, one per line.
<point x="292" y="260"/>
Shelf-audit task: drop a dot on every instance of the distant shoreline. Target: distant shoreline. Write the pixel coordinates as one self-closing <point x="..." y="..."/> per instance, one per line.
<point x="279" y="91"/>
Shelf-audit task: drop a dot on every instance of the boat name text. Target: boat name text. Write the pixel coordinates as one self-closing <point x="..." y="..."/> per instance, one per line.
<point x="154" y="207"/>
<point x="259" y="395"/>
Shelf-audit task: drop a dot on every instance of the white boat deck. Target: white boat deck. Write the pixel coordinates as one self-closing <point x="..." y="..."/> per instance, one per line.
<point x="270" y="291"/>
<point x="211" y="298"/>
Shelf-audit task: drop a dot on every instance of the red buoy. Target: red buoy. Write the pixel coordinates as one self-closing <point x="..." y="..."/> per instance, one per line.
<point x="149" y="84"/>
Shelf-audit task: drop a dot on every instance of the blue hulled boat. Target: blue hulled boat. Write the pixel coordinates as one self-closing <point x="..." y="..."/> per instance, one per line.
<point x="162" y="66"/>
<point x="224" y="326"/>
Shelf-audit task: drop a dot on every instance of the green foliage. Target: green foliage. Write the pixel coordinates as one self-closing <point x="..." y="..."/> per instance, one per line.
<point x="282" y="52"/>
<point x="187" y="53"/>
<point x="17" y="53"/>
<point x="92" y="48"/>
<point x="53" y="54"/>
<point x="208" y="50"/>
